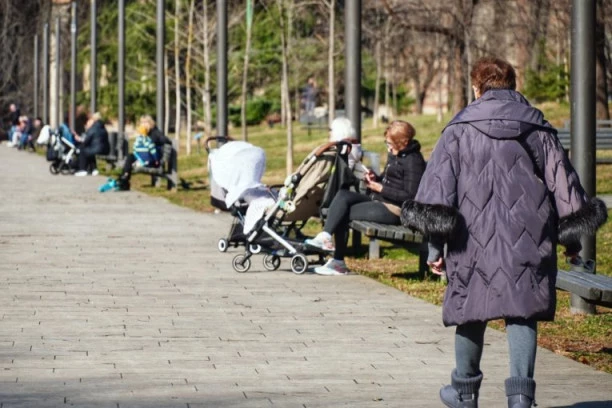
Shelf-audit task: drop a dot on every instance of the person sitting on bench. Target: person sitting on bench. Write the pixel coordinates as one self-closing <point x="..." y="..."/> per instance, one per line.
<point x="95" y="143"/>
<point x="149" y="143"/>
<point x="386" y="193"/>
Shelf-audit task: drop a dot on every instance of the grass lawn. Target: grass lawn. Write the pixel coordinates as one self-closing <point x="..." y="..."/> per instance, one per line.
<point x="587" y="339"/>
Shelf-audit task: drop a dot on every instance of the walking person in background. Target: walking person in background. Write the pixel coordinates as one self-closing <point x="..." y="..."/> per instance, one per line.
<point x="309" y="96"/>
<point x="500" y="191"/>
<point x="95" y="143"/>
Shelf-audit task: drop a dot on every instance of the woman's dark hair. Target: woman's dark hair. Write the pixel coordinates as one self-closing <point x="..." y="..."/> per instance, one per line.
<point x="493" y="73"/>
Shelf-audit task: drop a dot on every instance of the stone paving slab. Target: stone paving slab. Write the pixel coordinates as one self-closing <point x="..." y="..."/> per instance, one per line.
<point x="122" y="300"/>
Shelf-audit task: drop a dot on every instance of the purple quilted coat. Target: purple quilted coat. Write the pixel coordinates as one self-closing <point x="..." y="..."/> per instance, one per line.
<point x="500" y="191"/>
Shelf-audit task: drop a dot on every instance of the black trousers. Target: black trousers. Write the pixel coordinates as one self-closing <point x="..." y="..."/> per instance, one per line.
<point x="87" y="159"/>
<point x="348" y="206"/>
<point x="127" y="166"/>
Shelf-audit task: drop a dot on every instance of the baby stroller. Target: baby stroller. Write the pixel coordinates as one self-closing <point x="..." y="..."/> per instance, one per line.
<point x="62" y="153"/>
<point x="280" y="217"/>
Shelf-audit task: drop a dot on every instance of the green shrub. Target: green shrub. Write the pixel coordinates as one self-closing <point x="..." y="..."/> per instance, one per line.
<point x="256" y="112"/>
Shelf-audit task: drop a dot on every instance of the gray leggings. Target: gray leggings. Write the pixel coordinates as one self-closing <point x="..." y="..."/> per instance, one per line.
<point x="522" y="341"/>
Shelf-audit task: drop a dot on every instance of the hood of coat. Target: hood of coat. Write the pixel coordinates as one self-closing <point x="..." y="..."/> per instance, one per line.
<point x="502" y="114"/>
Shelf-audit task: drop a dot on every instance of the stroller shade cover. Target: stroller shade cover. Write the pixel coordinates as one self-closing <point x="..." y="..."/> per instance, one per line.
<point x="236" y="167"/>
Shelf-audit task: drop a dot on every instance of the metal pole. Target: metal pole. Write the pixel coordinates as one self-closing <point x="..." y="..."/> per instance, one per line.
<point x="94" y="63"/>
<point x="121" y="75"/>
<point x="36" y="76"/>
<point x="161" y="39"/>
<point x="73" y="63"/>
<point x="352" y="73"/>
<point x="222" y="67"/>
<point x="46" y="74"/>
<point x="58" y="76"/>
<point x="583" y="114"/>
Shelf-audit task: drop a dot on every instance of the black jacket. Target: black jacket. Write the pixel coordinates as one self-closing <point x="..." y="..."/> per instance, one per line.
<point x="96" y="138"/>
<point x="159" y="138"/>
<point x="402" y="175"/>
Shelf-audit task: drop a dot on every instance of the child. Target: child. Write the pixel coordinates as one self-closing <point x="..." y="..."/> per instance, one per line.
<point x="144" y="149"/>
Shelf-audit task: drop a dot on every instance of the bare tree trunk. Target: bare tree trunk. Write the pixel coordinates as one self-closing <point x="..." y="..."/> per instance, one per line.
<point x="394" y="83"/>
<point x="384" y="60"/>
<point x="188" y="75"/>
<point x="207" y="105"/>
<point x="166" y="95"/>
<point x="245" y="76"/>
<point x="177" y="69"/>
<point x="331" y="88"/>
<point x="285" y="87"/>
<point x="377" y="83"/>
<point x="459" y="100"/>
<point x="601" y="72"/>
<point x="418" y="92"/>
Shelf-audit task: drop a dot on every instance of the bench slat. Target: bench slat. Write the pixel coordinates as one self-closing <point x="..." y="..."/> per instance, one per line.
<point x="389" y="232"/>
<point x="592" y="287"/>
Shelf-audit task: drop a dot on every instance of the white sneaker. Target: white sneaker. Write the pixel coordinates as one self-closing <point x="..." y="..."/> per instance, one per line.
<point x="322" y="241"/>
<point x="95" y="172"/>
<point x="80" y="173"/>
<point x="333" y="267"/>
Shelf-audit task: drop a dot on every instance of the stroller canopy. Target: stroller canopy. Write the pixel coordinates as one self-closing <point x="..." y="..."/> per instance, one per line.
<point x="236" y="167"/>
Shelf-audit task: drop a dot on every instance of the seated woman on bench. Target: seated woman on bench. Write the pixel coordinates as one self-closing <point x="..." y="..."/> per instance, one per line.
<point x="148" y="150"/>
<point x="386" y="193"/>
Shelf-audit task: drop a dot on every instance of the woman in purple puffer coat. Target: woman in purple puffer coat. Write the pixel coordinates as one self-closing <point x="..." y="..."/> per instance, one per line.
<point x="500" y="191"/>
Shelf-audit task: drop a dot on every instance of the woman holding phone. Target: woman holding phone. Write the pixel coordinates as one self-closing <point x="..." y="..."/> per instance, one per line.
<point x="386" y="193"/>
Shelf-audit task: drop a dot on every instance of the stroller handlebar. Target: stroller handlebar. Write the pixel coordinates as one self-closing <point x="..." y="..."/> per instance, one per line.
<point x="219" y="139"/>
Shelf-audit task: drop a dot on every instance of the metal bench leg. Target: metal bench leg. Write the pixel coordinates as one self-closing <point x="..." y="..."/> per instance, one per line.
<point x="356" y="242"/>
<point x="423" y="268"/>
<point x="580" y="306"/>
<point x="374" y="249"/>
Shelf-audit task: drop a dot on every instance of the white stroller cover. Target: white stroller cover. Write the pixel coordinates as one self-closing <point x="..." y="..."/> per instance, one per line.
<point x="45" y="134"/>
<point x="238" y="168"/>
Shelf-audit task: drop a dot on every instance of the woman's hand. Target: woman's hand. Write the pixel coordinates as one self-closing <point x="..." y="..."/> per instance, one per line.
<point x="374" y="186"/>
<point x="437" y="267"/>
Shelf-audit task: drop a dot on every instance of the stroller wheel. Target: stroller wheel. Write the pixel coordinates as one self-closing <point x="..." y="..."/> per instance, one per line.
<point x="222" y="245"/>
<point x="255" y="248"/>
<point x="65" y="169"/>
<point x="271" y="262"/>
<point x="241" y="263"/>
<point x="54" y="169"/>
<point x="299" y="264"/>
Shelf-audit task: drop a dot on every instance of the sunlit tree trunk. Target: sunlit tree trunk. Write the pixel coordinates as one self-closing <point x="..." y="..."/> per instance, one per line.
<point x="177" y="69"/>
<point x="245" y="75"/>
<point x="331" y="88"/>
<point x="377" y="83"/>
<point x="207" y="105"/>
<point x="285" y="84"/>
<point x="188" y="75"/>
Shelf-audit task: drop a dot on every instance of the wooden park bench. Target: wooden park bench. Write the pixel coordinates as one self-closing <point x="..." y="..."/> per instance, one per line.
<point x="117" y="152"/>
<point x="167" y="169"/>
<point x="603" y="139"/>
<point x="591" y="288"/>
<point x="395" y="234"/>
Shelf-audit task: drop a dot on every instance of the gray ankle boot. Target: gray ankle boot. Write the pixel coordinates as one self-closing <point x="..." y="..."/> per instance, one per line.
<point x="462" y="393"/>
<point x="520" y="392"/>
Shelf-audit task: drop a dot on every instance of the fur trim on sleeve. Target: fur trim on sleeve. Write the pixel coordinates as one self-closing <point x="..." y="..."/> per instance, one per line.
<point x="430" y="219"/>
<point x="583" y="222"/>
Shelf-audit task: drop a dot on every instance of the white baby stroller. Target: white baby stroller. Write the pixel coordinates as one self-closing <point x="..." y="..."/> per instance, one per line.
<point x="271" y="220"/>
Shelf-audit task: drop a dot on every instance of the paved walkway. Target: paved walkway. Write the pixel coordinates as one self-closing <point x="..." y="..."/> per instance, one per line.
<point x="122" y="300"/>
